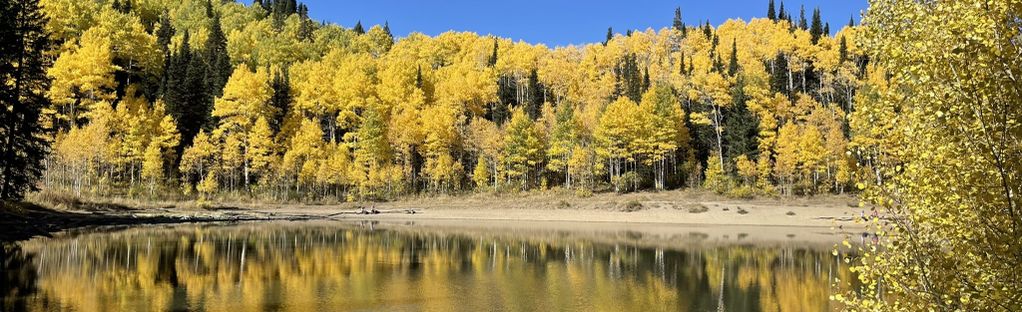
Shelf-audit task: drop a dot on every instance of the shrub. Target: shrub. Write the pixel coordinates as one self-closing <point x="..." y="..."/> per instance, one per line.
<point x="631" y="206"/>
<point x="698" y="208"/>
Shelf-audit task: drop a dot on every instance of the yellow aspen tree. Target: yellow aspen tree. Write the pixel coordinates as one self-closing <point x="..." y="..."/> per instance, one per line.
<point x="244" y="101"/>
<point x="82" y="77"/>
<point x="152" y="166"/>
<point x="787" y="157"/>
<point x="198" y="159"/>
<point x="716" y="179"/>
<point x="746" y="169"/>
<point x="481" y="173"/>
<point x="261" y="150"/>
<point x="615" y="135"/>
<point x="563" y="138"/>
<point x="939" y="125"/>
<point x="304" y="151"/>
<point x="523" y="148"/>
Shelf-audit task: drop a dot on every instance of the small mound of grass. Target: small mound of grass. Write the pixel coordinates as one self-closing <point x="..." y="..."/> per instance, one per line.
<point x="563" y="205"/>
<point x="742" y="211"/>
<point x="631" y="206"/>
<point x="790" y="213"/>
<point x="698" y="208"/>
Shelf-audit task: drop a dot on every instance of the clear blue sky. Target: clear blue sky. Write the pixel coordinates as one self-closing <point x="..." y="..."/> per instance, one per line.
<point x="555" y="22"/>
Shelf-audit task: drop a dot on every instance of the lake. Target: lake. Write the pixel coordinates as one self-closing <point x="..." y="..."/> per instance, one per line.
<point x="424" y="266"/>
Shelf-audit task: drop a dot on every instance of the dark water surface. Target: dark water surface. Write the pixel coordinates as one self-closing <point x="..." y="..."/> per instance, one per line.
<point x="405" y="266"/>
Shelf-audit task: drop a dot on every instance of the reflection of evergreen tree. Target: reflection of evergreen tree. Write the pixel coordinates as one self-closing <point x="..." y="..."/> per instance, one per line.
<point x="17" y="278"/>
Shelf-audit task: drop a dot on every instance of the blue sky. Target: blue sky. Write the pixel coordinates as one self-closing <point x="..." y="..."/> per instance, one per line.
<point x="558" y="23"/>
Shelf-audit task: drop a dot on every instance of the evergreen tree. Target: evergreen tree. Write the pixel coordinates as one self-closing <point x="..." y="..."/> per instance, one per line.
<point x="493" y="56"/>
<point x="645" y="80"/>
<point x="843" y="49"/>
<point x="23" y="64"/>
<point x="678" y="23"/>
<point x="708" y="30"/>
<point x="732" y="65"/>
<point x="781" y="14"/>
<point x="185" y="96"/>
<point x="681" y="65"/>
<point x="610" y="35"/>
<point x="816" y="30"/>
<point x="771" y="12"/>
<point x="164" y="34"/>
<point x="629" y="81"/>
<point x="779" y="74"/>
<point x="535" y="101"/>
<point x="803" y="24"/>
<point x="358" y="28"/>
<point x="742" y="127"/>
<point x="826" y="28"/>
<point x="217" y="60"/>
<point x="851" y="21"/>
<point x="282" y="97"/>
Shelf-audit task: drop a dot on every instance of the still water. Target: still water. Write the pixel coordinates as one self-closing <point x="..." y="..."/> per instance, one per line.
<point x="416" y="266"/>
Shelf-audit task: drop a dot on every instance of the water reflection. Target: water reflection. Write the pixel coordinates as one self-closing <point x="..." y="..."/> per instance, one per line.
<point x="396" y="267"/>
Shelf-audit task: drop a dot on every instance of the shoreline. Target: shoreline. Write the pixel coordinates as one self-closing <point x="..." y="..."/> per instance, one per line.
<point x="23" y="221"/>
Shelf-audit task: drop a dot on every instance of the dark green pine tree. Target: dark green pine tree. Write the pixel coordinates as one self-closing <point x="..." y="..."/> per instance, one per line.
<point x="826" y="28"/>
<point x="217" y="59"/>
<point x="536" y="93"/>
<point x="358" y="28"/>
<point x="732" y="64"/>
<point x="741" y="127"/>
<point x="290" y="7"/>
<point x="803" y="24"/>
<point x="843" y="50"/>
<point x="645" y="80"/>
<point x="209" y="9"/>
<point x="629" y="78"/>
<point x="779" y="74"/>
<point x="771" y="11"/>
<point x="816" y="30"/>
<point x="678" y="23"/>
<point x="718" y="64"/>
<point x="23" y="63"/>
<point x="610" y="35"/>
<point x="164" y="34"/>
<point x="851" y="21"/>
<point x="185" y="96"/>
<point x="493" y="56"/>
<point x="681" y="66"/>
<point x="628" y="33"/>
<point x="782" y="15"/>
<point x="708" y="30"/>
<point x="281" y="98"/>
<point x="306" y="27"/>
<point x="418" y="77"/>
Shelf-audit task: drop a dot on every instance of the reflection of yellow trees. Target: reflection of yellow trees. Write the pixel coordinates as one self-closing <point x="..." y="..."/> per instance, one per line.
<point x="312" y="267"/>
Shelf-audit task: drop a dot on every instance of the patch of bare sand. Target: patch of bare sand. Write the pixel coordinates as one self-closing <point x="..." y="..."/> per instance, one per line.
<point x="671" y="207"/>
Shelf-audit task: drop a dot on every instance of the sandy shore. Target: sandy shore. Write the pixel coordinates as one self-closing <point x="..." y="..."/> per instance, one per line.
<point x="636" y="210"/>
<point x="675" y="207"/>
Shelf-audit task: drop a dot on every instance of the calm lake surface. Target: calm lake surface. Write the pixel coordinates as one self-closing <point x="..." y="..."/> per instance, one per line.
<point x="423" y="266"/>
